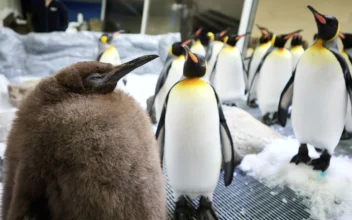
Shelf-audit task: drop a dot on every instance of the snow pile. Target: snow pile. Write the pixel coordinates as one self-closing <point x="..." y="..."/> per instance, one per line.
<point x="327" y="194"/>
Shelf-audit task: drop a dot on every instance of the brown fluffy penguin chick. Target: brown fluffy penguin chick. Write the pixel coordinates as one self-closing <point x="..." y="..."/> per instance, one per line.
<point x="79" y="151"/>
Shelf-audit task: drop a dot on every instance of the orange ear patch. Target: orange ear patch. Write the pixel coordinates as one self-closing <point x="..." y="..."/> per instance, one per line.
<point x="342" y="36"/>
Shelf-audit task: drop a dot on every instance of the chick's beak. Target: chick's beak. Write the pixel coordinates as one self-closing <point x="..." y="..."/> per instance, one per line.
<point x="121" y="70"/>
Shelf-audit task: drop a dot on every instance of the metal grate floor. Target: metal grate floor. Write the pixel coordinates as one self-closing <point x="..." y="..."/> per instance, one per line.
<point x="248" y="199"/>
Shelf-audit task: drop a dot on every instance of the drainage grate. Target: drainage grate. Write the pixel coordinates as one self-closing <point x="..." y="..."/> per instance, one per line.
<point x="248" y="199"/>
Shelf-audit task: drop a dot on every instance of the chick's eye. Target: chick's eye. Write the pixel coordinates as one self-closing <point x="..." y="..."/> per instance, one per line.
<point x="95" y="77"/>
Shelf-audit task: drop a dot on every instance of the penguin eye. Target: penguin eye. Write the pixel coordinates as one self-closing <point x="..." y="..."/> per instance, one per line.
<point x="95" y="76"/>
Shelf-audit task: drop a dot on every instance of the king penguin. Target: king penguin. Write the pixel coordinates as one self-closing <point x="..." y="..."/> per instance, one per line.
<point x="107" y="53"/>
<point x="75" y="151"/>
<point x="170" y="74"/>
<point x="296" y="49"/>
<point x="318" y="91"/>
<point x="229" y="77"/>
<point x="346" y="52"/>
<point x="266" y="41"/>
<point x="213" y="51"/>
<point x="273" y="72"/>
<point x="197" y="46"/>
<point x="194" y="136"/>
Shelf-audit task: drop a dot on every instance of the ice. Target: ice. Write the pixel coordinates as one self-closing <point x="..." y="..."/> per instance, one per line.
<point x="329" y="194"/>
<point x="2" y="150"/>
<point x="284" y="200"/>
<point x="243" y="211"/>
<point x="274" y="193"/>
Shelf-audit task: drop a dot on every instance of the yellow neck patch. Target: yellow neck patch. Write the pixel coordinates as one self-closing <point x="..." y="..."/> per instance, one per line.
<point x="318" y="44"/>
<point x="104" y="39"/>
<point x="192" y="82"/>
<point x="180" y="58"/>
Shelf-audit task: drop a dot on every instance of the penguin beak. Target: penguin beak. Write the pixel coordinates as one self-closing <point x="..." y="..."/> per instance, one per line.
<point x="189" y="54"/>
<point x="318" y="17"/>
<point x="341" y="35"/>
<point x="288" y="36"/>
<point x="199" y="31"/>
<point x="222" y="33"/>
<point x="121" y="70"/>
<point x="264" y="31"/>
<point x="114" y="35"/>
<point x="240" y="36"/>
<point x="186" y="42"/>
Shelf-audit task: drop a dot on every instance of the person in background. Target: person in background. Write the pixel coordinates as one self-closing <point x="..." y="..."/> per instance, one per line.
<point x="49" y="16"/>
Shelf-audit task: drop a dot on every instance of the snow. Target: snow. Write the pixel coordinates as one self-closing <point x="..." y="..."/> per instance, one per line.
<point x="327" y="194"/>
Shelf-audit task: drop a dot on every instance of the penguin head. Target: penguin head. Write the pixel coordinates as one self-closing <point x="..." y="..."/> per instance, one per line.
<point x="176" y="49"/>
<point x="96" y="77"/>
<point x="106" y="38"/>
<point x="220" y="36"/>
<point x="233" y="39"/>
<point x="346" y="39"/>
<point x="266" y="35"/>
<point x="296" y="40"/>
<point x="281" y="40"/>
<point x="328" y="26"/>
<point x="195" y="64"/>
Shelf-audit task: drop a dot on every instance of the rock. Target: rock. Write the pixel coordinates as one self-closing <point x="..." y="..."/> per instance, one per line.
<point x="150" y="111"/>
<point x="17" y="91"/>
<point x="249" y="135"/>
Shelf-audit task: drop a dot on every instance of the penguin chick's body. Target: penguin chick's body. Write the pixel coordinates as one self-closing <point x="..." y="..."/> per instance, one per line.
<point x="346" y="52"/>
<point x="319" y="98"/>
<point x="170" y="74"/>
<point x="109" y="54"/>
<point x="79" y="151"/>
<point x="229" y="75"/>
<point x="193" y="135"/>
<point x="273" y="74"/>
<point x="265" y="42"/>
<point x="296" y="49"/>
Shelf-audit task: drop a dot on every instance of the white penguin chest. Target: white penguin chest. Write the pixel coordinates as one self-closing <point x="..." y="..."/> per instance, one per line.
<point x="198" y="48"/>
<point x="273" y="77"/>
<point x="228" y="79"/>
<point x="192" y="137"/>
<point x="319" y="99"/>
<point x="348" y="126"/>
<point x="110" y="55"/>
<point x="214" y="54"/>
<point x="296" y="52"/>
<point x="174" y="75"/>
<point x="258" y="55"/>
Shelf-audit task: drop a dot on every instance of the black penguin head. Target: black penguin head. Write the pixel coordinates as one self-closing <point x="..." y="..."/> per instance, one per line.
<point x="281" y="40"/>
<point x="296" y="40"/>
<point x="197" y="34"/>
<point x="233" y="39"/>
<point x="346" y="39"/>
<point x="328" y="26"/>
<point x="220" y="36"/>
<point x="106" y="38"/>
<point x="266" y="35"/>
<point x="96" y="77"/>
<point x="195" y="64"/>
<point x="176" y="49"/>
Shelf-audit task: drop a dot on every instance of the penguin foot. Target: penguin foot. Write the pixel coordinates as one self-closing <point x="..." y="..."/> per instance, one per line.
<point x="183" y="211"/>
<point x="252" y="104"/>
<point x="302" y="156"/>
<point x="205" y="210"/>
<point x="345" y="135"/>
<point x="323" y="162"/>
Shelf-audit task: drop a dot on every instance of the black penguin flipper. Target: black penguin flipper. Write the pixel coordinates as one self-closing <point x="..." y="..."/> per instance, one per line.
<point x="227" y="147"/>
<point x="286" y="101"/>
<point x="258" y="71"/>
<point x="100" y="55"/>
<point x="345" y="70"/>
<point x="209" y="51"/>
<point x="250" y="61"/>
<point x="212" y="73"/>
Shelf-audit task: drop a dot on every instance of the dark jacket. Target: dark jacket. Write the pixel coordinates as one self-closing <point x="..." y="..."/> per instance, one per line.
<point x="51" y="18"/>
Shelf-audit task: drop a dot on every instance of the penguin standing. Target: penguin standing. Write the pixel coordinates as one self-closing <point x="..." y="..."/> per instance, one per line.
<point x="229" y="77"/>
<point x="265" y="42"/>
<point x="75" y="151"/>
<point x="216" y="44"/>
<point x="197" y="46"/>
<point x="346" y="52"/>
<point x="296" y="49"/>
<point x="273" y="73"/>
<point x="107" y="53"/>
<point x="193" y="135"/>
<point x="170" y="74"/>
<point x="318" y="91"/>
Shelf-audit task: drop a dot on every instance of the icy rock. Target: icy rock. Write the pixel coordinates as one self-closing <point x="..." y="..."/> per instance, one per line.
<point x="249" y="135"/>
